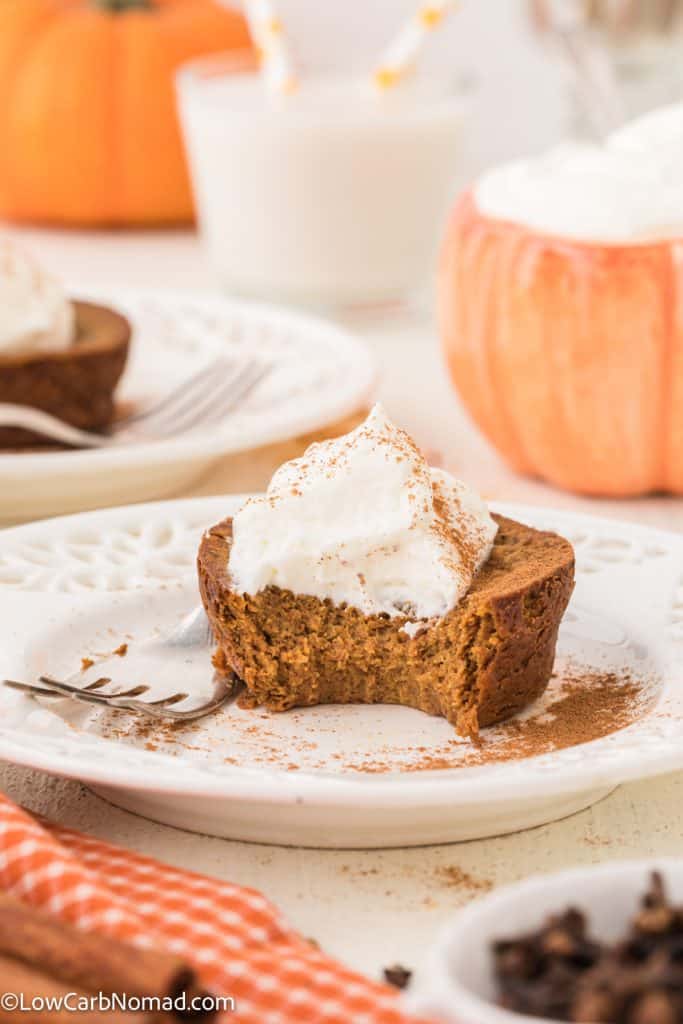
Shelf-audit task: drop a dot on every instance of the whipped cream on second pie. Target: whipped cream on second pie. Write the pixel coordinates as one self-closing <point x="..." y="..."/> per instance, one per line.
<point x="364" y="520"/>
<point x="35" y="313"/>
<point x="627" y="190"/>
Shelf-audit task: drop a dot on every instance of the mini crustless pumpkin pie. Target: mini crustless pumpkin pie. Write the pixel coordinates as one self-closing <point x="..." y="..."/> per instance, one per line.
<point x="363" y="575"/>
<point x="60" y="356"/>
<point x="560" y="298"/>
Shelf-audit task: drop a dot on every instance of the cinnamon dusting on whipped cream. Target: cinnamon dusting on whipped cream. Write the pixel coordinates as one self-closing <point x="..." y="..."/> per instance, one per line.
<point x="363" y="520"/>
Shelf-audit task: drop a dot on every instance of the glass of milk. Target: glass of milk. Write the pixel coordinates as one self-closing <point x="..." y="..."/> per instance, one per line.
<point x="333" y="196"/>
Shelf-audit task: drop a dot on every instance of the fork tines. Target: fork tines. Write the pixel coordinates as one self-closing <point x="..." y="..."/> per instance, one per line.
<point x="126" y="700"/>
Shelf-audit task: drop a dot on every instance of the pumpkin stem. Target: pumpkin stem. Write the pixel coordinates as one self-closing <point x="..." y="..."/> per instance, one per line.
<point x="118" y="6"/>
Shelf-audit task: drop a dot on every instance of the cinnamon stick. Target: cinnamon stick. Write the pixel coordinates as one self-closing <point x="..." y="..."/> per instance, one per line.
<point x="89" y="961"/>
<point x="31" y="997"/>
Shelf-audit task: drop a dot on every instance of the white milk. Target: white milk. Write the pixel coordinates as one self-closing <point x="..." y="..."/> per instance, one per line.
<point x="333" y="195"/>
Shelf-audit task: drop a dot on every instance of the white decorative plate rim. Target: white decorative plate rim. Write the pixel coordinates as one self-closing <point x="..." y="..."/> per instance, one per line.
<point x="347" y="400"/>
<point x="652" y="747"/>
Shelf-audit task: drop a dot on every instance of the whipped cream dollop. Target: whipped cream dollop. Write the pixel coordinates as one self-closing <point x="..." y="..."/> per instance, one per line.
<point x="35" y="314"/>
<point x="628" y="190"/>
<point x="363" y="520"/>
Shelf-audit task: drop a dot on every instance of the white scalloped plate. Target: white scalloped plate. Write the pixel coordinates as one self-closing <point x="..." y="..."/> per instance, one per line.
<point x="83" y="584"/>
<point x="321" y="374"/>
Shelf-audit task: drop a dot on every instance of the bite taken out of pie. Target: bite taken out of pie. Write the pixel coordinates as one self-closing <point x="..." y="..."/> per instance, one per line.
<point x="365" y="576"/>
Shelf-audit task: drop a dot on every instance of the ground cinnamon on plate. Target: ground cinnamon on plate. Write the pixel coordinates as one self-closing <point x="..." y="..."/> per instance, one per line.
<point x="592" y="705"/>
<point x="588" y="705"/>
<point x="581" y="705"/>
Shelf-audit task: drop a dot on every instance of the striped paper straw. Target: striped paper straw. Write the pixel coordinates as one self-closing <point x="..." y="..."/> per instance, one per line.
<point x="270" y="40"/>
<point x="399" y="58"/>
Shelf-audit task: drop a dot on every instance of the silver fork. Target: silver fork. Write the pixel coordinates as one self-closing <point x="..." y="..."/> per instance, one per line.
<point x="193" y="631"/>
<point x="201" y="401"/>
<point x="125" y="701"/>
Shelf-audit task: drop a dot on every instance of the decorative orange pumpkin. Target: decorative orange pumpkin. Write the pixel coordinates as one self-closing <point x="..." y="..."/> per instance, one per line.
<point x="88" y="126"/>
<point x="568" y="355"/>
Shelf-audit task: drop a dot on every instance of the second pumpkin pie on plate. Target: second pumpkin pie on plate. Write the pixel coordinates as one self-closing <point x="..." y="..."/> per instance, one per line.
<point x="58" y="355"/>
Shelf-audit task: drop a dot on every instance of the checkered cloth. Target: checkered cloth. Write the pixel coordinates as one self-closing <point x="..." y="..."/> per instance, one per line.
<point x="236" y="939"/>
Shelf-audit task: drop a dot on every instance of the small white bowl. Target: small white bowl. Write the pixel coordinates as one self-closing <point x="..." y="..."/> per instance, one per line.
<point x="456" y="985"/>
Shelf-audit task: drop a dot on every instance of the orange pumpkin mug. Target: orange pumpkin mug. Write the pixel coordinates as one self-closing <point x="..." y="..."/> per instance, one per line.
<point x="568" y="355"/>
<point x="89" y="133"/>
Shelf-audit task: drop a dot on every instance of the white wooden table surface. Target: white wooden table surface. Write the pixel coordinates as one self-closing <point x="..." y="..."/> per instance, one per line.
<point x="375" y="907"/>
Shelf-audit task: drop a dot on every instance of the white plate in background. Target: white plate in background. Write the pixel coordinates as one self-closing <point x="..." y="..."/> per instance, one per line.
<point x="321" y="374"/>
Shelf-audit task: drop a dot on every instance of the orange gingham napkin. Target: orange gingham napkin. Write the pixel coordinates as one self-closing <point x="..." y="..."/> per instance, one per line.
<point x="236" y="939"/>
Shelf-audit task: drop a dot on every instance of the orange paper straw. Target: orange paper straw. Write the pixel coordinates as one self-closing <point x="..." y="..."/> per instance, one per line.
<point x="270" y="40"/>
<point x="398" y="60"/>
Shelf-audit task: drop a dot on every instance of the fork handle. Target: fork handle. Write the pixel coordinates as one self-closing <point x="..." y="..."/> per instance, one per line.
<point x="36" y="691"/>
<point x="42" y="423"/>
<point x="152" y="710"/>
